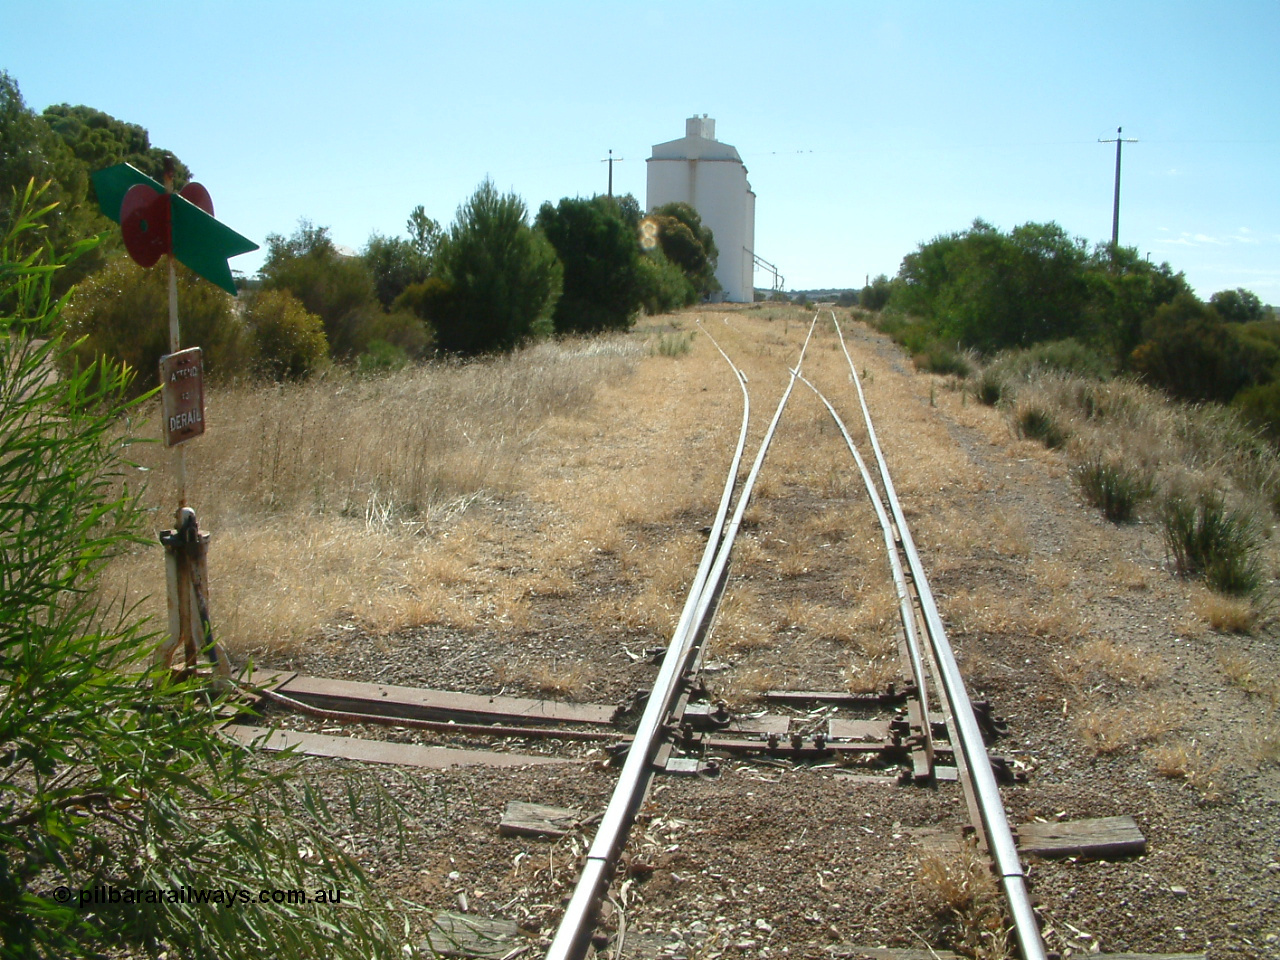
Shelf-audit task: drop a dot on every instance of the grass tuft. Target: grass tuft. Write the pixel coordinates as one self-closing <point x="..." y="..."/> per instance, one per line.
<point x="1115" y="487"/>
<point x="961" y="890"/>
<point x="1036" y="422"/>
<point x="1210" y="541"/>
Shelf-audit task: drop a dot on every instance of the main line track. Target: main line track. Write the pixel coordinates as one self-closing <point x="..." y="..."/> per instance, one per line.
<point x="673" y="702"/>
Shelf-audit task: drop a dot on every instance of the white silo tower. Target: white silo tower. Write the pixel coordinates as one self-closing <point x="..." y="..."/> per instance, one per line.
<point x="709" y="176"/>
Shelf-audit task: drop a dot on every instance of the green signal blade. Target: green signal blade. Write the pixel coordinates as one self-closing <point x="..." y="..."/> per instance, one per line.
<point x="200" y="241"/>
<point x="113" y="183"/>
<point x="204" y="244"/>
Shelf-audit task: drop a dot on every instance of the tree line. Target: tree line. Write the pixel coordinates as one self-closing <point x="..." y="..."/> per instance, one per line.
<point x="986" y="290"/>
<point x="494" y="278"/>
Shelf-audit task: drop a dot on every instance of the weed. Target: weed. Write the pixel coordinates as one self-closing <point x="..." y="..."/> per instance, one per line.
<point x="941" y="359"/>
<point x="1109" y="730"/>
<point x="962" y="892"/>
<point x="1248" y="675"/>
<point x="871" y="675"/>
<point x="1226" y="614"/>
<point x="1114" y="486"/>
<point x="1211" y="541"/>
<point x="674" y="344"/>
<point x="990" y="387"/>
<point x="1187" y="762"/>
<point x="1036" y="422"/>
<point x="1263" y="743"/>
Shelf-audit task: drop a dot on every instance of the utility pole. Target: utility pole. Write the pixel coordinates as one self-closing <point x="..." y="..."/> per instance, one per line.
<point x="611" y="160"/>
<point x="1115" y="211"/>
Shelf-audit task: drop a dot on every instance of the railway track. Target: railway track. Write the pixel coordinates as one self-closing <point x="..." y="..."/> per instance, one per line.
<point x="921" y="727"/>
<point x="671" y="702"/>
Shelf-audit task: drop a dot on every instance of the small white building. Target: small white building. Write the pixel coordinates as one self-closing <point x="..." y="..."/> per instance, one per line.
<point x="709" y="176"/>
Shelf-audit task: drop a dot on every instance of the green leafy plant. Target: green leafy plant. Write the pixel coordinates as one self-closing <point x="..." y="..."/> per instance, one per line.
<point x="113" y="774"/>
<point x="1035" y="422"/>
<point x="1112" y="485"/>
<point x="1214" y="542"/>
<point x="989" y="387"/>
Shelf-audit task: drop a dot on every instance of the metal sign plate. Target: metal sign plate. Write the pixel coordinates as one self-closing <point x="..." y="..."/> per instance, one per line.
<point x="182" y="395"/>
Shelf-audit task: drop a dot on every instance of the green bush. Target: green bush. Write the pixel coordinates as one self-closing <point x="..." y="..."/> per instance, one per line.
<point x="115" y="774"/>
<point x="600" y="252"/>
<point x="674" y="344"/>
<point x="1035" y="422"/>
<point x="498" y="278"/>
<point x="288" y="340"/>
<point x="1261" y="407"/>
<point x="940" y="358"/>
<point x="663" y="286"/>
<point x="990" y="387"/>
<point x="1208" y="540"/>
<point x="339" y="290"/>
<point x="1113" y="485"/>
<point x="381" y="357"/>
<point x="122" y="312"/>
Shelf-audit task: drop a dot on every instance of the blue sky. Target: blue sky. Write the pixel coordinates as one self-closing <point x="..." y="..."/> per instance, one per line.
<point x="867" y="127"/>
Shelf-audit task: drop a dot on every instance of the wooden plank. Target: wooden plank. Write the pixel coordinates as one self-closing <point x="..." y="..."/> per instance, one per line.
<point x="465" y="935"/>
<point x="381" y="751"/>
<point x="522" y="819"/>
<point x="394" y="701"/>
<point x="1098" y="839"/>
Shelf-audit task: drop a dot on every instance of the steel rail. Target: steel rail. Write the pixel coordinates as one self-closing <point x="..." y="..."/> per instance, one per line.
<point x="573" y="934"/>
<point x="906" y="609"/>
<point x="1004" y="851"/>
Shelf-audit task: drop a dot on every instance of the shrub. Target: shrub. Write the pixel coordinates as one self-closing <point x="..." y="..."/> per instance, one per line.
<point x="941" y="359"/>
<point x="1261" y="407"/>
<point x="1072" y="356"/>
<point x="663" y="285"/>
<point x="116" y="774"/>
<point x="288" y="340"/>
<point x="1035" y="422"/>
<point x="1113" y="486"/>
<point x="675" y="344"/>
<point x="600" y="252"/>
<point x="990" y="387"/>
<point x="334" y="287"/>
<point x="381" y="357"/>
<point x="501" y="277"/>
<point x="122" y="312"/>
<point x="1211" y="541"/>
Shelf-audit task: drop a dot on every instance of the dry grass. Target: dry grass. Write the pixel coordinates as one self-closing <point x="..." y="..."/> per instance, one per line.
<point x="1110" y="730"/>
<point x="1124" y="664"/>
<point x="1244" y="672"/>
<point x="962" y="892"/>
<point x="746" y="686"/>
<point x="559" y="679"/>
<point x="871" y="675"/>
<point x="1263" y="743"/>
<point x="1186" y="761"/>
<point x="1223" y="613"/>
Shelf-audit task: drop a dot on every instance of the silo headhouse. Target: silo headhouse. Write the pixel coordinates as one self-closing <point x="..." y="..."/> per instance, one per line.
<point x="709" y="175"/>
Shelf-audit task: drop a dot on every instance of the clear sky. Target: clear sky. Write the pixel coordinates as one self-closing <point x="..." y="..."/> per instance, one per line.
<point x="867" y="127"/>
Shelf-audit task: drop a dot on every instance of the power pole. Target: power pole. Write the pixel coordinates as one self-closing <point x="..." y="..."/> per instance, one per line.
<point x="611" y="160"/>
<point x="1115" y="211"/>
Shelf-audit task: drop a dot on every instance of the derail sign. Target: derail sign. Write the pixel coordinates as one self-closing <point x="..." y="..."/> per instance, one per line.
<point x="182" y="395"/>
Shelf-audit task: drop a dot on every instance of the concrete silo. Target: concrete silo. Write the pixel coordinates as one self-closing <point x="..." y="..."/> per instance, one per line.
<point x="709" y="176"/>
